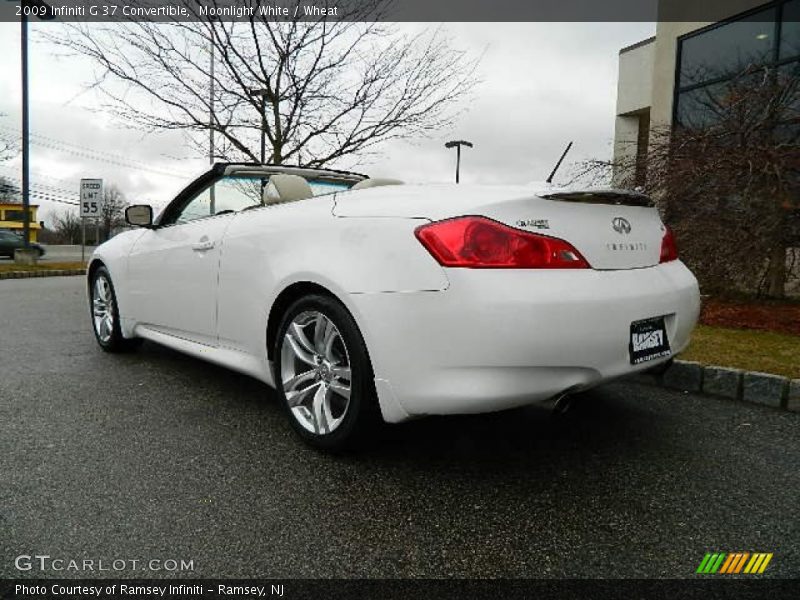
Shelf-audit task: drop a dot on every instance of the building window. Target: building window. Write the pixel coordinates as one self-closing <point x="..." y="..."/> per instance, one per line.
<point x="714" y="56"/>
<point x="697" y="108"/>
<point x="15" y="215"/>
<point x="728" y="49"/>
<point x="790" y="30"/>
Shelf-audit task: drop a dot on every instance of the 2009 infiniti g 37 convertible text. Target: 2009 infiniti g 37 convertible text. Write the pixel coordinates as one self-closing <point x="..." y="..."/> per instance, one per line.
<point x="360" y="299"/>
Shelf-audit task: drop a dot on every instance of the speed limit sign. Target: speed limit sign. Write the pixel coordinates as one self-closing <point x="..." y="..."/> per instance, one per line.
<point x="91" y="198"/>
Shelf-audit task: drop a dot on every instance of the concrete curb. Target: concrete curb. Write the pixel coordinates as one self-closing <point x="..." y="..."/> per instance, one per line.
<point x="734" y="384"/>
<point x="44" y="273"/>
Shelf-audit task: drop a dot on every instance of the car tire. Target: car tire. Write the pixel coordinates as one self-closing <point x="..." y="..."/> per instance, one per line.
<point x="317" y="348"/>
<point x="104" y="314"/>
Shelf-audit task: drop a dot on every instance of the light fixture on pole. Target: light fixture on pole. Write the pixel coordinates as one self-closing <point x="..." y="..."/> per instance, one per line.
<point x="262" y="93"/>
<point x="457" y="145"/>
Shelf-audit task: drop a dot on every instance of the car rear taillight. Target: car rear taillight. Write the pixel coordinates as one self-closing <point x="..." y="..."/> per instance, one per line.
<point x="669" y="249"/>
<point x="481" y="243"/>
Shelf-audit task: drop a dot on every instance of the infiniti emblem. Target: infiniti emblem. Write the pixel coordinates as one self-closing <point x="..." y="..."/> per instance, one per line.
<point x="621" y="225"/>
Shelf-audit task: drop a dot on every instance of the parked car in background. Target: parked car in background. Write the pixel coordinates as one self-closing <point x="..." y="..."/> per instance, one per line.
<point x="360" y="299"/>
<point x="10" y="241"/>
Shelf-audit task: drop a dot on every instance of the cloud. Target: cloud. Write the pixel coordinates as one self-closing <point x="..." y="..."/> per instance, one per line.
<point x="544" y="84"/>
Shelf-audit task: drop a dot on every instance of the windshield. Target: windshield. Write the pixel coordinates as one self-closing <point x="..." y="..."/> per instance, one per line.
<point x="237" y="192"/>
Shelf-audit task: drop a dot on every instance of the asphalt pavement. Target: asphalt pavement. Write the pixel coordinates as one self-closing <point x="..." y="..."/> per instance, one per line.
<point x="65" y="253"/>
<point x="154" y="455"/>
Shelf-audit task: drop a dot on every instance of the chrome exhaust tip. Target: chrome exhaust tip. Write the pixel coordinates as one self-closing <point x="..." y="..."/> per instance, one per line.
<point x="562" y="403"/>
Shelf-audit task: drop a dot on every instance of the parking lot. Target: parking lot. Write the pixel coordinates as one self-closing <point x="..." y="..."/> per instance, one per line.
<point x="154" y="455"/>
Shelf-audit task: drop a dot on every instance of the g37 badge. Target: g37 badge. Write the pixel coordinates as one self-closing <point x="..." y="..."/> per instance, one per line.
<point x="534" y="223"/>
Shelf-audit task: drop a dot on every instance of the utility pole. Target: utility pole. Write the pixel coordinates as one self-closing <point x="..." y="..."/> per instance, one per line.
<point x="26" y="151"/>
<point x="211" y="109"/>
<point x="457" y="145"/>
<point x="26" y="154"/>
<point x="262" y="93"/>
<point x="212" y="197"/>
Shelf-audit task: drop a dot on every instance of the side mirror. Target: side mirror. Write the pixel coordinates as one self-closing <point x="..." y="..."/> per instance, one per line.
<point x="140" y="215"/>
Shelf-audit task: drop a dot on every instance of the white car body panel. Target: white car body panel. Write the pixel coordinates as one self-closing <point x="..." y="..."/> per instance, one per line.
<point x="175" y="267"/>
<point x="347" y="258"/>
<point x="519" y="339"/>
<point x="441" y="340"/>
<point x="577" y="223"/>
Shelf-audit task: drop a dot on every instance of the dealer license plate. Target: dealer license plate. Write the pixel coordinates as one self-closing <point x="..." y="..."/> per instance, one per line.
<point x="648" y="340"/>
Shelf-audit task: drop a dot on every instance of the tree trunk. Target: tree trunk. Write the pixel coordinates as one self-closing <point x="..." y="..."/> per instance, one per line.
<point x="776" y="272"/>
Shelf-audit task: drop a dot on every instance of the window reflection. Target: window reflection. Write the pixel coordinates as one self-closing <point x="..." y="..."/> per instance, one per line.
<point x="715" y="63"/>
<point x="728" y="49"/>
<point x="790" y="30"/>
<point x="229" y="194"/>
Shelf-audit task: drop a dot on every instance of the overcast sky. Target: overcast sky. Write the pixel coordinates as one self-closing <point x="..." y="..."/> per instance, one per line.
<point x="543" y="84"/>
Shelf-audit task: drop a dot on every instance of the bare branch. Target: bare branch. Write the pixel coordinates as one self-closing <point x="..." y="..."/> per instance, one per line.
<point x="727" y="178"/>
<point x="9" y="146"/>
<point x="333" y="89"/>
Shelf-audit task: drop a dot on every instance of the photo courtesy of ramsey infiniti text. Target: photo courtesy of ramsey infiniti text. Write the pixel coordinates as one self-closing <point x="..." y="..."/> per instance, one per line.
<point x="361" y="300"/>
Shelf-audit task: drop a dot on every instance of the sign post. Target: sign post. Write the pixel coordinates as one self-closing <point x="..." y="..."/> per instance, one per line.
<point x="91" y="207"/>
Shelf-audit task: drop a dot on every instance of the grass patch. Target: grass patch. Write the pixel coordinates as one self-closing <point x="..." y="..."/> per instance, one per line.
<point x="43" y="266"/>
<point x="746" y="349"/>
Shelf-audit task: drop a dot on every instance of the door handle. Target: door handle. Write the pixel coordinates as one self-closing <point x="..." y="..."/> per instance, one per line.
<point x="203" y="245"/>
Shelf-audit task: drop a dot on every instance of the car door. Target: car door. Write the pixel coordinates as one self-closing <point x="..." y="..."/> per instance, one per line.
<point x="173" y="268"/>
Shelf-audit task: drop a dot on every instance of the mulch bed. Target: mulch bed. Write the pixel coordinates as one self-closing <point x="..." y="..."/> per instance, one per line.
<point x="764" y="315"/>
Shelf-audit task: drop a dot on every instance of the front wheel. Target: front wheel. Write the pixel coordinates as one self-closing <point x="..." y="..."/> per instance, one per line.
<point x="323" y="374"/>
<point x="105" y="314"/>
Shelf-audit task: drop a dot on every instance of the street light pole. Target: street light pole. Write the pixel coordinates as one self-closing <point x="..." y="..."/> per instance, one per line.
<point x="263" y="128"/>
<point x="457" y="145"/>
<point x="211" y="108"/>
<point x="262" y="93"/>
<point x="26" y="155"/>
<point x="212" y="196"/>
<point x="26" y="205"/>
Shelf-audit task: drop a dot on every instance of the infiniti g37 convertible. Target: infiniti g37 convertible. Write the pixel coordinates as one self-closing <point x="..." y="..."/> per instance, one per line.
<point x="363" y="299"/>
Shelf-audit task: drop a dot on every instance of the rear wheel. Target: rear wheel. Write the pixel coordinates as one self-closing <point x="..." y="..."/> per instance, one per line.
<point x="105" y="314"/>
<point x="323" y="374"/>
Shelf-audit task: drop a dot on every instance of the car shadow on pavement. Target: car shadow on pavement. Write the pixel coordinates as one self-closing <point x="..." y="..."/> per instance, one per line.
<point x="598" y="421"/>
<point x="603" y="422"/>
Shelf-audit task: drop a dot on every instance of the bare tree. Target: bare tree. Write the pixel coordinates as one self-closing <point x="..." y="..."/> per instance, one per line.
<point x="113" y="212"/>
<point x="331" y="89"/>
<point x="8" y="144"/>
<point x="67" y="226"/>
<point x="728" y="179"/>
<point x="9" y="191"/>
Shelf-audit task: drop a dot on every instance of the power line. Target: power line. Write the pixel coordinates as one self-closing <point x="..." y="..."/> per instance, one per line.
<point x="59" y="191"/>
<point x="72" y="183"/>
<point x="95" y="155"/>
<point x="41" y="191"/>
<point x="64" y="190"/>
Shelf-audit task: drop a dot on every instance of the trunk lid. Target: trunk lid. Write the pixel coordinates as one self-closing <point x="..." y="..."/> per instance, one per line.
<point x="612" y="229"/>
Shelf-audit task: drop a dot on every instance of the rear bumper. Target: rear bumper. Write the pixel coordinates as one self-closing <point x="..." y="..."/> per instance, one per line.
<point x="496" y="339"/>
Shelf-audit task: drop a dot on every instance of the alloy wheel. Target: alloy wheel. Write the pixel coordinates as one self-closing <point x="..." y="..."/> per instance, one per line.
<point x="103" y="309"/>
<point x="315" y="372"/>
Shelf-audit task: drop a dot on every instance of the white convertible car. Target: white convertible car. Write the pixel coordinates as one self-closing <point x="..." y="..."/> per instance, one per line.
<point x="360" y="299"/>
